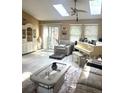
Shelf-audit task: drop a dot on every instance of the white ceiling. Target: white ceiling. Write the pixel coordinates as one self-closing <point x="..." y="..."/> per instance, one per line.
<point x="43" y="9"/>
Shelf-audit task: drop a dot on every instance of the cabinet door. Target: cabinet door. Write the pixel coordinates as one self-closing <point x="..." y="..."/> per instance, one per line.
<point x="24" y="48"/>
<point x="29" y="47"/>
<point x="29" y="34"/>
<point x="23" y="33"/>
<point x="24" y="41"/>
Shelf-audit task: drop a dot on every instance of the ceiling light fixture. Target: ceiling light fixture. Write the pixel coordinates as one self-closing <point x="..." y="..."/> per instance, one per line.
<point x="95" y="7"/>
<point x="60" y="8"/>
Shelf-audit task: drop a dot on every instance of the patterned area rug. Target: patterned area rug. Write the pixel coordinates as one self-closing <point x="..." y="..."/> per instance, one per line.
<point x="71" y="79"/>
<point x="69" y="85"/>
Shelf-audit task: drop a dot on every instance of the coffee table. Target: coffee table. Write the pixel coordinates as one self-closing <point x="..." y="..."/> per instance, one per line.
<point x="49" y="79"/>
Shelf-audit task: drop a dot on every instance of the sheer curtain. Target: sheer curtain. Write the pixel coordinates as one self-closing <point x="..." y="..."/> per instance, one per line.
<point x="50" y="36"/>
<point x="45" y="36"/>
<point x="75" y="32"/>
<point x="91" y="31"/>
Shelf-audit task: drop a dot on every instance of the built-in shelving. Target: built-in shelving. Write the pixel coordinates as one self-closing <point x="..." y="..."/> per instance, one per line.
<point x="29" y="42"/>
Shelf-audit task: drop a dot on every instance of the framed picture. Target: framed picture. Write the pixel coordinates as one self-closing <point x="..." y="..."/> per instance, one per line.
<point x="64" y="30"/>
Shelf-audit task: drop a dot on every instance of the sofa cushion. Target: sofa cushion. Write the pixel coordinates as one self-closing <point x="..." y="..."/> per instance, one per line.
<point x="64" y="42"/>
<point x="96" y="71"/>
<point x="90" y="79"/>
<point x="62" y="49"/>
<point x="59" y="50"/>
<point x="86" y="89"/>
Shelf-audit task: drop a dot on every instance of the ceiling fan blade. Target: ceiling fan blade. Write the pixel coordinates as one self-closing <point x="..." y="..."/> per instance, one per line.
<point x="72" y="14"/>
<point x="81" y="10"/>
<point x="72" y="8"/>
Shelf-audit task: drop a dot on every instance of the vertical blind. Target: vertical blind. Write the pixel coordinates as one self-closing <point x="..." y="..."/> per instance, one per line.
<point x="75" y="32"/>
<point x="91" y="31"/>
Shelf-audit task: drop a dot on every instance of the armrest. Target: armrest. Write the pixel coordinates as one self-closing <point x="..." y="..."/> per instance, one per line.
<point x="91" y="80"/>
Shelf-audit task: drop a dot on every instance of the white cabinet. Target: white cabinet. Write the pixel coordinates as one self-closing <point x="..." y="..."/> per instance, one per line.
<point x="29" y="42"/>
<point x="24" y="48"/>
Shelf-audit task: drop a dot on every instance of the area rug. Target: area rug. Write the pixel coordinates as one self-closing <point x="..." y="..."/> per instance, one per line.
<point x="69" y="85"/>
<point x="71" y="79"/>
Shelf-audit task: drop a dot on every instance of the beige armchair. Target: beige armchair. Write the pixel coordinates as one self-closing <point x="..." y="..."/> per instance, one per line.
<point x="62" y="49"/>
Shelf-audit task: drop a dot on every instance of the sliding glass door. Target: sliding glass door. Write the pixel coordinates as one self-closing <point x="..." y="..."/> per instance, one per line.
<point x="50" y="37"/>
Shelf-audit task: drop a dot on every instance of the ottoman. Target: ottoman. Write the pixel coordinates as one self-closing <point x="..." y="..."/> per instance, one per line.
<point x="57" y="56"/>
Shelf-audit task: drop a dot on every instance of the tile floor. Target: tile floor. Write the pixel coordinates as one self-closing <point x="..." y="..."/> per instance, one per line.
<point x="36" y="60"/>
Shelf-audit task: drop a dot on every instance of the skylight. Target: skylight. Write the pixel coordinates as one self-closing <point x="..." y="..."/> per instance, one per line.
<point x="60" y="8"/>
<point x="95" y="7"/>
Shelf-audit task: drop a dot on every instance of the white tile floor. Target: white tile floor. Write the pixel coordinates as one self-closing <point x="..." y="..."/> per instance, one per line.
<point x="34" y="61"/>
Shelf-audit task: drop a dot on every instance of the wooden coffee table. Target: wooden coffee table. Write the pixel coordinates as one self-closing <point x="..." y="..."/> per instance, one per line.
<point x="49" y="79"/>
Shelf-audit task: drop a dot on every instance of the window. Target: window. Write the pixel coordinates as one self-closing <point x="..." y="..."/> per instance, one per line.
<point x="75" y="32"/>
<point x="91" y="31"/>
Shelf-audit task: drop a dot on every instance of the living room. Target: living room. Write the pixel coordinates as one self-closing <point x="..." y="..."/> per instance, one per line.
<point x="32" y="70"/>
<point x="74" y="40"/>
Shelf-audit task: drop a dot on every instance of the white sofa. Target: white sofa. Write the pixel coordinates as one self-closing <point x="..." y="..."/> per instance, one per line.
<point x="90" y="81"/>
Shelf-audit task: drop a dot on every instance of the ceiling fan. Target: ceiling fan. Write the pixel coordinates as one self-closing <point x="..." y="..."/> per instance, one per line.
<point x="74" y="10"/>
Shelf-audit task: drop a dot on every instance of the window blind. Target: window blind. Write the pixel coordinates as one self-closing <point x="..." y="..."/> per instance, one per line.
<point x="91" y="31"/>
<point x="75" y="32"/>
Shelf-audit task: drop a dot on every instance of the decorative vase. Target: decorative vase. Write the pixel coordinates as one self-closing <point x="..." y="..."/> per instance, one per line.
<point x="54" y="66"/>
